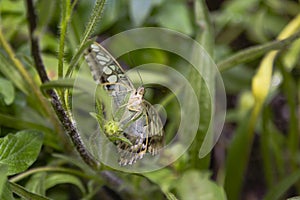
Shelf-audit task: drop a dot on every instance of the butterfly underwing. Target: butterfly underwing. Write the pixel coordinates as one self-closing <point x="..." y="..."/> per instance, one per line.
<point x="131" y="122"/>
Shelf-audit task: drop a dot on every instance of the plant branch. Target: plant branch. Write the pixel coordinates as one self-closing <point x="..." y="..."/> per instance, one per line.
<point x="68" y="124"/>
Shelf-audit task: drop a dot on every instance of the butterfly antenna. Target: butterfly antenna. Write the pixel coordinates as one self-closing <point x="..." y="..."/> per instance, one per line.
<point x="133" y="64"/>
<point x="138" y="72"/>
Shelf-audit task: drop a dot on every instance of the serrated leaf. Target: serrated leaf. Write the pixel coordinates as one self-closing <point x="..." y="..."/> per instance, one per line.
<point x="7" y="91"/>
<point x="19" y="151"/>
<point x="59" y="178"/>
<point x="140" y="10"/>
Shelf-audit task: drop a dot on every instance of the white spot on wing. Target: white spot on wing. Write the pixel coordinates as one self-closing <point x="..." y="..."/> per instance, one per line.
<point x="107" y="70"/>
<point x="95" y="48"/>
<point x="102" y="62"/>
<point x="113" y="67"/>
<point x="102" y="58"/>
<point x="112" y="79"/>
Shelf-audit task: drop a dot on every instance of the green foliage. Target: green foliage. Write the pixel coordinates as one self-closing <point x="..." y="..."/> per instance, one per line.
<point x="4" y="188"/>
<point x="7" y="91"/>
<point x="196" y="186"/>
<point x="19" y="151"/>
<point x="256" y="46"/>
<point x="181" y="18"/>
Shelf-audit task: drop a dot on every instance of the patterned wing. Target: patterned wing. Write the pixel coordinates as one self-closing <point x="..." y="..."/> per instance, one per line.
<point x="155" y="127"/>
<point x="138" y="124"/>
<point x="107" y="72"/>
<point x="145" y="134"/>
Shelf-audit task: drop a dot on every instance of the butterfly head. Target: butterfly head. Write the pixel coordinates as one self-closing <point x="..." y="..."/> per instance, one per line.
<point x="140" y="91"/>
<point x="136" y="99"/>
<point x="138" y="94"/>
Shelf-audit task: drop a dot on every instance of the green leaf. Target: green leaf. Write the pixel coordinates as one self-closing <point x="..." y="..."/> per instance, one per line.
<point x="19" y="151"/>
<point x="118" y="138"/>
<point x="205" y="36"/>
<point x="8" y="70"/>
<point x="237" y="159"/>
<point x="74" y="160"/>
<point x="59" y="178"/>
<point x="196" y="186"/>
<point x="36" y="184"/>
<point x="21" y="191"/>
<point x="19" y="124"/>
<point x="45" y="11"/>
<point x="3" y="175"/>
<point x="165" y="178"/>
<point x="7" y="91"/>
<point x="140" y="10"/>
<point x="292" y="55"/>
<point x="11" y="7"/>
<point x="111" y="13"/>
<point x="5" y="192"/>
<point x="283" y="186"/>
<point x="240" y="7"/>
<point x="175" y="15"/>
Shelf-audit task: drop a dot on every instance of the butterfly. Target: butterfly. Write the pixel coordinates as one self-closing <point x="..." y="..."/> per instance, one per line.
<point x="130" y="122"/>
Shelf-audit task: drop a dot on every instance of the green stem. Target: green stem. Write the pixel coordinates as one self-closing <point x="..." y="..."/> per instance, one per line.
<point x="251" y="53"/>
<point x="95" y="17"/>
<point x="66" y="12"/>
<point x="28" y="173"/>
<point x="67" y="9"/>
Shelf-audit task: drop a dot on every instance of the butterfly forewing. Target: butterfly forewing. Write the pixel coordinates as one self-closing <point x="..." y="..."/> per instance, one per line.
<point x="139" y="126"/>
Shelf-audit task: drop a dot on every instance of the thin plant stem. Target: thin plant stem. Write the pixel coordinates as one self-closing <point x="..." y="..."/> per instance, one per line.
<point x="68" y="124"/>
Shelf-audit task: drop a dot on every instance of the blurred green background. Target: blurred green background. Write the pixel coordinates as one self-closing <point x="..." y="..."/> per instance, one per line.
<point x="257" y="155"/>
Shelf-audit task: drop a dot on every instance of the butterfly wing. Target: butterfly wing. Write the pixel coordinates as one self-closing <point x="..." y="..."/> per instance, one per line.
<point x="155" y="129"/>
<point x="143" y="128"/>
<point x="145" y="134"/>
<point x="107" y="72"/>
